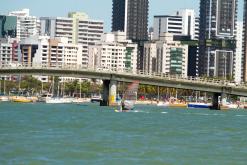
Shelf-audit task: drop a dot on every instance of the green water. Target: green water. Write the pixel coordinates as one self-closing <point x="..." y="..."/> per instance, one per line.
<point x="89" y="134"/>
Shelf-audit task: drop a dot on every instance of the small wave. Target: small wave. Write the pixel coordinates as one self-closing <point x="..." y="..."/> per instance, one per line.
<point x="207" y="114"/>
<point x="164" y="112"/>
<point x="241" y="115"/>
<point x="138" y="111"/>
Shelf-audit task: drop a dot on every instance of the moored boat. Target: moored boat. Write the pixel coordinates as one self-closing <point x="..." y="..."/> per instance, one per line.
<point x="163" y="104"/>
<point x="4" y="98"/>
<point x="81" y="100"/>
<point x="21" y="99"/>
<point x="177" y="105"/>
<point x="96" y="98"/>
<point x="59" y="100"/>
<point x="199" y="105"/>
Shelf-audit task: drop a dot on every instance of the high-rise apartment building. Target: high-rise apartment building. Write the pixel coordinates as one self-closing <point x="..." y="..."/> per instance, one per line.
<point x="237" y="67"/>
<point x="244" y="57"/>
<point x="47" y="52"/>
<point x="131" y="16"/>
<point x="26" y="25"/>
<point x="8" y="26"/>
<point x="217" y="40"/>
<point x="78" y="28"/>
<point x="8" y="54"/>
<point x="166" y="56"/>
<point x="114" y="52"/>
<point x="184" y="22"/>
<point x="8" y="51"/>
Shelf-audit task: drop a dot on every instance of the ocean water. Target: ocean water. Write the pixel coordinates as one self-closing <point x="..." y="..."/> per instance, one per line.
<point x="88" y="134"/>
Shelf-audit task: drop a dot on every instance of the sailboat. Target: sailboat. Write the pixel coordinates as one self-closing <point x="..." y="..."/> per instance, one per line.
<point x="3" y="97"/>
<point x="80" y="99"/>
<point x="54" y="99"/>
<point x="129" y="97"/>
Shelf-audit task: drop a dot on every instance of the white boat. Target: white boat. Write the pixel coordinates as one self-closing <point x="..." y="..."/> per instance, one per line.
<point x="44" y="97"/>
<point x="199" y="105"/>
<point x="232" y="106"/>
<point x="4" y="98"/>
<point x="163" y="104"/>
<point x="59" y="100"/>
<point x="81" y="100"/>
<point x="55" y="100"/>
<point x="96" y="98"/>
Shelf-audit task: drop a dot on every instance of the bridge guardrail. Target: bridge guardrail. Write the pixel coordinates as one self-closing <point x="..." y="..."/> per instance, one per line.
<point x="209" y="81"/>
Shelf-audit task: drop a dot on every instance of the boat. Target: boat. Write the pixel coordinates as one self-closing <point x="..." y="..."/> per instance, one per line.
<point x="199" y="105"/>
<point x="163" y="104"/>
<point x="129" y="98"/>
<point x="4" y="98"/>
<point x="44" y="97"/>
<point x="21" y="99"/>
<point x="55" y="100"/>
<point x="96" y="98"/>
<point x="177" y="105"/>
<point x="59" y="100"/>
<point x="80" y="100"/>
<point x="229" y="106"/>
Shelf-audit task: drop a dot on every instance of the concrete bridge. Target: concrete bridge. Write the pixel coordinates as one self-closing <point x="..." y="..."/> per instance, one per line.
<point x="110" y="78"/>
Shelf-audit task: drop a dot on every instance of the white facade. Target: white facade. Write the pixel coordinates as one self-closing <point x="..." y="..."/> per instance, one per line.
<point x="113" y="53"/>
<point x="26" y="25"/>
<point x="166" y="56"/>
<point x="8" y="52"/>
<point x="51" y="53"/>
<point x="150" y="57"/>
<point x="183" y="23"/>
<point x="237" y="67"/>
<point x="78" y="28"/>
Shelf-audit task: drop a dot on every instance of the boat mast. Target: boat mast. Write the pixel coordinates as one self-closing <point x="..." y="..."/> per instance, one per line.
<point x="42" y="87"/>
<point x="4" y="92"/>
<point x="19" y="90"/>
<point x="0" y="86"/>
<point x="58" y="88"/>
<point x="52" y="86"/>
<point x="80" y="88"/>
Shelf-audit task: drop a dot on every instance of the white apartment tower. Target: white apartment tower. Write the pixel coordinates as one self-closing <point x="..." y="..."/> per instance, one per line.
<point x="166" y="56"/>
<point x="114" y="53"/>
<point x="184" y="22"/>
<point x="237" y="66"/>
<point x="47" y="52"/>
<point x="8" y="52"/>
<point x="26" y="25"/>
<point x="78" y="28"/>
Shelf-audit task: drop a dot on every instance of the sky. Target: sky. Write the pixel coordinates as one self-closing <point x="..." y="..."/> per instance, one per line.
<point x="96" y="9"/>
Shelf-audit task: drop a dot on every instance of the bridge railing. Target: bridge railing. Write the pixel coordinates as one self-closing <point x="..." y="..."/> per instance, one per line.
<point x="182" y="78"/>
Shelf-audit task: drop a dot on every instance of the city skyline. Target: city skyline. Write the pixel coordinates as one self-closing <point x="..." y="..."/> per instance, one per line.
<point x="64" y="6"/>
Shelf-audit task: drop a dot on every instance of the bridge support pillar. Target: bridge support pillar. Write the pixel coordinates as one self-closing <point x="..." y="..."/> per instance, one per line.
<point x="113" y="93"/>
<point x="219" y="104"/>
<point x="105" y="101"/>
<point x="109" y="93"/>
<point x="215" y="101"/>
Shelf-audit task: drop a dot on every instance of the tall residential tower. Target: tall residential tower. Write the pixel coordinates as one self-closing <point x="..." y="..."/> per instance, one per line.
<point x="131" y="17"/>
<point x="217" y="41"/>
<point x="244" y="57"/>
